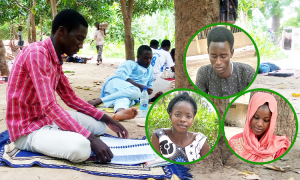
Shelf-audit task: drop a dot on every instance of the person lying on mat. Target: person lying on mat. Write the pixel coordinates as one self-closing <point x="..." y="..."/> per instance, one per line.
<point x="35" y="121"/>
<point x="223" y="77"/>
<point x="178" y="144"/>
<point x="258" y="143"/>
<point x="124" y="88"/>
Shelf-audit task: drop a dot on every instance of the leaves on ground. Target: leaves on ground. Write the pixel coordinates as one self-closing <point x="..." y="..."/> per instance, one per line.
<point x="273" y="167"/>
<point x="69" y="71"/>
<point x="249" y="175"/>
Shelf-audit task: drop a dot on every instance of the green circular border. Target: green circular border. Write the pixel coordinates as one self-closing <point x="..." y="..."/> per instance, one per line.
<point x="292" y="144"/>
<point x="149" y="139"/>
<point x="187" y="74"/>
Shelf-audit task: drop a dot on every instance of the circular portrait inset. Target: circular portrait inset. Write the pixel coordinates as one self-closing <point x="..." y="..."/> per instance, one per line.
<point x="221" y="60"/>
<point x="182" y="126"/>
<point x="260" y="126"/>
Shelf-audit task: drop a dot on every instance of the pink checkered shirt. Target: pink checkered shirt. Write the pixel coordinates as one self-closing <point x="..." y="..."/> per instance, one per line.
<point x="31" y="101"/>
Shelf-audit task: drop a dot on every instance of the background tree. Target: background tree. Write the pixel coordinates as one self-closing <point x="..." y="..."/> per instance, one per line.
<point x="3" y="65"/>
<point x="127" y="9"/>
<point x="274" y="9"/>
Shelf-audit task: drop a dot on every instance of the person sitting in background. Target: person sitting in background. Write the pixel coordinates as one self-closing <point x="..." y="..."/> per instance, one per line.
<point x="124" y="88"/>
<point x="172" y="53"/>
<point x="161" y="57"/>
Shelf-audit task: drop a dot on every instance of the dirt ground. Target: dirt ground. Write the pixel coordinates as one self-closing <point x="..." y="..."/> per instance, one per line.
<point x="86" y="74"/>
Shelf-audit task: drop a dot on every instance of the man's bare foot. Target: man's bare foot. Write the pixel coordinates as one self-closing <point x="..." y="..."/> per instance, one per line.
<point x="129" y="113"/>
<point x="95" y="102"/>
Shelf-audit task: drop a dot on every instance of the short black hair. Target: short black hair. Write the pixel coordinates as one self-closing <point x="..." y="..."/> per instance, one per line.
<point x="182" y="97"/>
<point x="220" y="34"/>
<point x="69" y="19"/>
<point x="143" y="48"/>
<point x="154" y="42"/>
<point x="165" y="43"/>
<point x="173" y="52"/>
<point x="96" y="23"/>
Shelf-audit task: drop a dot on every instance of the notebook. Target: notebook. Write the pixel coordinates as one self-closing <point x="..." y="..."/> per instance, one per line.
<point x="127" y="151"/>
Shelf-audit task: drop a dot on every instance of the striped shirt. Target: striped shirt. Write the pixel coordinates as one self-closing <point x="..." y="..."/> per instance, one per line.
<point x="31" y="102"/>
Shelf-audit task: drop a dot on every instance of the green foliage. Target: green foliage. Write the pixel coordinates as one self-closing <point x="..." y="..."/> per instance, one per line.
<point x="266" y="47"/>
<point x="5" y="31"/>
<point x="292" y="22"/>
<point x="246" y="6"/>
<point x="205" y="121"/>
<point x="274" y="7"/>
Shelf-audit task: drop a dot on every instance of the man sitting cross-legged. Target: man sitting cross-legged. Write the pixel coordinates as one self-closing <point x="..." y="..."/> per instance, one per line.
<point x="124" y="88"/>
<point x="35" y="121"/>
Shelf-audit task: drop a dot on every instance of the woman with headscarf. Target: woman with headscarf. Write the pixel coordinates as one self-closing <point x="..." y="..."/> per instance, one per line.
<point x="257" y="142"/>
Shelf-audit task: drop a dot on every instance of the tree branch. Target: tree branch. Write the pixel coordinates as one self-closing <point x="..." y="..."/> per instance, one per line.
<point x="123" y="9"/>
<point x="58" y="3"/>
<point x="22" y="6"/>
<point x="77" y="3"/>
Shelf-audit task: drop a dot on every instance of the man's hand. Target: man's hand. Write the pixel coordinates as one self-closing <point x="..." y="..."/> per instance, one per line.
<point x="101" y="150"/>
<point x="158" y="94"/>
<point x="149" y="90"/>
<point x="115" y="126"/>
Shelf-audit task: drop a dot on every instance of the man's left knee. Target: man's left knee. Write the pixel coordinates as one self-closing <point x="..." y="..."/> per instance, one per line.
<point x="135" y="93"/>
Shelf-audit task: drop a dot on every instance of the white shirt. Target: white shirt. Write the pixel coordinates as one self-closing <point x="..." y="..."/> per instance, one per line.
<point x="20" y="33"/>
<point x="160" y="60"/>
<point x="99" y="36"/>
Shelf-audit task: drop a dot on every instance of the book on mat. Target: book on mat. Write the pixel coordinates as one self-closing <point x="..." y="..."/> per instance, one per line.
<point x="127" y="151"/>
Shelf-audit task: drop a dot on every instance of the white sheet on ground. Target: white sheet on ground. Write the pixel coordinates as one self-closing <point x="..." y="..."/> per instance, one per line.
<point x="159" y="85"/>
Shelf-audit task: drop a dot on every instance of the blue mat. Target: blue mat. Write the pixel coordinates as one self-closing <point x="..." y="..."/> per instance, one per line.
<point x="11" y="156"/>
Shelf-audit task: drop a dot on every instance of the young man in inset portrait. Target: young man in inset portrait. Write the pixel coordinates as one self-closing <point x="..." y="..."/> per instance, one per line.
<point x="223" y="77"/>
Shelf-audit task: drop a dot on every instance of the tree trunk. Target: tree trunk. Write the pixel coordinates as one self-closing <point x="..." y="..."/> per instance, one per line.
<point x="275" y="27"/>
<point x="191" y="16"/>
<point x="285" y="124"/>
<point x="28" y="28"/>
<point x="127" y="19"/>
<point x="54" y="10"/>
<point x="221" y="153"/>
<point x="41" y="22"/>
<point x="129" y="41"/>
<point x="4" y="71"/>
<point x="33" y="23"/>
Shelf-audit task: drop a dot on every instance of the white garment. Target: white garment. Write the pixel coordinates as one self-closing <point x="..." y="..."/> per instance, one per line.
<point x="52" y="141"/>
<point x="99" y="36"/>
<point x="20" y="33"/>
<point x="160" y="60"/>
